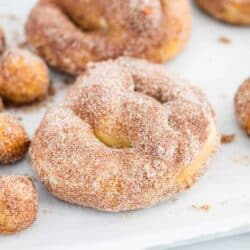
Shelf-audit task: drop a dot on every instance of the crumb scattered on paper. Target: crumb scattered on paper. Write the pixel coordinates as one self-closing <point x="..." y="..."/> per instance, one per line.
<point x="227" y="138"/>
<point x="67" y="81"/>
<point x="204" y="207"/>
<point x="224" y="40"/>
<point x="241" y="159"/>
<point x="51" y="90"/>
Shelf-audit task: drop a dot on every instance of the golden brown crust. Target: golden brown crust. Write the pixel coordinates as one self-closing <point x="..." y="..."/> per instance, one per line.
<point x="155" y="30"/>
<point x="23" y="77"/>
<point x="231" y="11"/>
<point x="18" y="203"/>
<point x="2" y="41"/>
<point x="14" y="142"/>
<point x="127" y="136"/>
<point x="1" y="105"/>
<point x="242" y="105"/>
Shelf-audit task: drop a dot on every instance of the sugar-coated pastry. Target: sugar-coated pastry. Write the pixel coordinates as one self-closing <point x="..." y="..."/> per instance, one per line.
<point x="230" y="11"/>
<point x="242" y="105"/>
<point x="18" y="203"/>
<point x="23" y="77"/>
<point x="14" y="141"/>
<point x="69" y="33"/>
<point x="128" y="136"/>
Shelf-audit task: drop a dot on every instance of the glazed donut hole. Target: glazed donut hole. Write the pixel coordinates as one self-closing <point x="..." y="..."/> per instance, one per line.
<point x="242" y="105"/>
<point x="24" y="77"/>
<point x="14" y="141"/>
<point x="18" y="203"/>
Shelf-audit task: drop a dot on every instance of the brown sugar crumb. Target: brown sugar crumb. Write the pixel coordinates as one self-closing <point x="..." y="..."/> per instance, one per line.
<point x="204" y="207"/>
<point x="67" y="81"/>
<point x="224" y="40"/>
<point x="227" y="138"/>
<point x="51" y="90"/>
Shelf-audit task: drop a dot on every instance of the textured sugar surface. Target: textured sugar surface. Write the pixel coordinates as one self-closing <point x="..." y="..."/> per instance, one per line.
<point x="166" y="120"/>
<point x="18" y="203"/>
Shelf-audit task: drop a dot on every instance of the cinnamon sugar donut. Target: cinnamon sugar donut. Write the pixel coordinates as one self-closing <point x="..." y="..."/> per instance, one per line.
<point x="242" y="105"/>
<point x="155" y="30"/>
<point x="127" y="136"/>
<point x="14" y="141"/>
<point x="23" y="77"/>
<point x="2" y="41"/>
<point x="18" y="203"/>
<point x="231" y="11"/>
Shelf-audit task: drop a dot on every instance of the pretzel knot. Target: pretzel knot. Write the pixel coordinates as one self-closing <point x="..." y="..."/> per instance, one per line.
<point x="127" y="136"/>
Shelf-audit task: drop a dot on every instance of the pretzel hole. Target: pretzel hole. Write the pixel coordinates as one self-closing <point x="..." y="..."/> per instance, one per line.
<point x="111" y="133"/>
<point x="113" y="141"/>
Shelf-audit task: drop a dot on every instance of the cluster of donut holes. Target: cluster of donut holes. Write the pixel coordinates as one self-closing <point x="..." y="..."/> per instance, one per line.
<point x="18" y="197"/>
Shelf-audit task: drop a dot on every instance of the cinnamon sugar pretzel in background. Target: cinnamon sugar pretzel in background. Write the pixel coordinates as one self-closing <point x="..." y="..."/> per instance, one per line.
<point x="71" y="33"/>
<point x="231" y="11"/>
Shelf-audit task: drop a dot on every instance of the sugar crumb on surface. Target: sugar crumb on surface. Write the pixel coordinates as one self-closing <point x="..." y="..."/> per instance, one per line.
<point x="51" y="90"/>
<point x="224" y="40"/>
<point x="227" y="138"/>
<point x="204" y="207"/>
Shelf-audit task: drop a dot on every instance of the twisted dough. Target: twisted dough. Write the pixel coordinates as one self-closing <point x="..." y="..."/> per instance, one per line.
<point x="231" y="11"/>
<point x="155" y="30"/>
<point x="127" y="136"/>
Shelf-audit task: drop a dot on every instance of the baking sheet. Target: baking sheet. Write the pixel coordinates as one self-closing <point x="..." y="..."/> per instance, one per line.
<point x="218" y="205"/>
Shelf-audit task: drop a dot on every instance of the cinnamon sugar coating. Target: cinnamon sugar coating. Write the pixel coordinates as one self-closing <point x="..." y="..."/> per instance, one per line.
<point x="230" y="11"/>
<point x="155" y="30"/>
<point x="18" y="203"/>
<point x="23" y="77"/>
<point x="2" y="41"/>
<point x="242" y="105"/>
<point x="14" y="142"/>
<point x="127" y="136"/>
